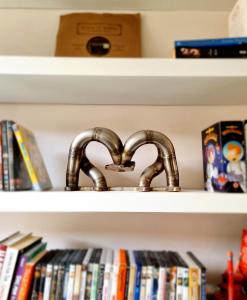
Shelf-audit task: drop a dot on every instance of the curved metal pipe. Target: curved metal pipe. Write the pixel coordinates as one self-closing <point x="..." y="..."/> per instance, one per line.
<point x="166" y="158"/>
<point x="77" y="157"/>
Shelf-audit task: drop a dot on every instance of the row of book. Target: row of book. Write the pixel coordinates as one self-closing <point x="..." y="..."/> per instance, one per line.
<point x="29" y="271"/>
<point x="21" y="163"/>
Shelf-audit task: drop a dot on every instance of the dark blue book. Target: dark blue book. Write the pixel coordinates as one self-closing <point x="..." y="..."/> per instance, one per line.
<point x="138" y="275"/>
<point x="224" y="42"/>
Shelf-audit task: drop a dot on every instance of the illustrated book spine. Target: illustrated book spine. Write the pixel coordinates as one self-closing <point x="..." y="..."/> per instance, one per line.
<point x="1" y="163"/>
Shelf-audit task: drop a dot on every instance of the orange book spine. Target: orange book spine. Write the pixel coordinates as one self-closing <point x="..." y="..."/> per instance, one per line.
<point x="121" y="275"/>
<point x="26" y="282"/>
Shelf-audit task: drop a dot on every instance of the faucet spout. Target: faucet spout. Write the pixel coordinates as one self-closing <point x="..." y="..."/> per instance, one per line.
<point x="166" y="159"/>
<point x="77" y="157"/>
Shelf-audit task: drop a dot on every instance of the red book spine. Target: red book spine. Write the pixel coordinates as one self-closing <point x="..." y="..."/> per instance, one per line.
<point x="26" y="282"/>
<point x="3" y="250"/>
<point x="121" y="275"/>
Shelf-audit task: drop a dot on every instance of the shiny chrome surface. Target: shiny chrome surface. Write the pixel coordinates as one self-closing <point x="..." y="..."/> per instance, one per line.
<point x="77" y="157"/>
<point x="166" y="159"/>
<point x="121" y="156"/>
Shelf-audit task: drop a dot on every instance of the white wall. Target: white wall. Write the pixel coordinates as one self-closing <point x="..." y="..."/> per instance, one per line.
<point x="33" y="32"/>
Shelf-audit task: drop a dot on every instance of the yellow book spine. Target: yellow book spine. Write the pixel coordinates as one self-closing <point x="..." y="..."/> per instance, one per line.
<point x="26" y="158"/>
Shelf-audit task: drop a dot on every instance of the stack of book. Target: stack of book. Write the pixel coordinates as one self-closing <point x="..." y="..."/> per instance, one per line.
<point x="21" y="164"/>
<point x="212" y="48"/>
<point x="28" y="271"/>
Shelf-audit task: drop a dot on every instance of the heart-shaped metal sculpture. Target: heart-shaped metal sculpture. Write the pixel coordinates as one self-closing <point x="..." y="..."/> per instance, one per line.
<point x="121" y="156"/>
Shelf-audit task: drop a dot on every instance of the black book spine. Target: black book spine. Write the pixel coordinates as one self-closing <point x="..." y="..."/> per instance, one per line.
<point x="238" y="51"/>
<point x="5" y="154"/>
<point x="10" y="140"/>
<point x="36" y="282"/>
<point x="127" y="275"/>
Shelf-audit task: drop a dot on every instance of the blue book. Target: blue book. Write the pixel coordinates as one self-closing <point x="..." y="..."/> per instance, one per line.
<point x="138" y="275"/>
<point x="224" y="42"/>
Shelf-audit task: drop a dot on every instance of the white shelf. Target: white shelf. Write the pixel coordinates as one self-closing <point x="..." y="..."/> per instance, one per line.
<point x="122" y="4"/>
<point x="124" y="202"/>
<point x="123" y="81"/>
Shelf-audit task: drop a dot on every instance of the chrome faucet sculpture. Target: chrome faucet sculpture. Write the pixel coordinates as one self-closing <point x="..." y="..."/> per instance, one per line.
<point x="121" y="156"/>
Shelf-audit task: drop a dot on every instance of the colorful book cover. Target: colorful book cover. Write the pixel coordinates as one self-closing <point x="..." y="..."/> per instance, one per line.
<point x="121" y="275"/>
<point x="24" y="259"/>
<point x="32" y="158"/>
<point x="27" y="278"/>
<point x="1" y="160"/>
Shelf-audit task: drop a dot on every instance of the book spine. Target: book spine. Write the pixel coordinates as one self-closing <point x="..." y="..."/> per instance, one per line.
<point x="212" y="52"/>
<point x="66" y="282"/>
<point x="107" y="282"/>
<point x="18" y="277"/>
<point x="26" y="158"/>
<point x="132" y="282"/>
<point x="194" y="287"/>
<point x="100" y="282"/>
<point x="7" y="272"/>
<point x="36" y="282"/>
<point x="3" y="250"/>
<point x="76" y="292"/>
<point x="127" y="278"/>
<point x="47" y="287"/>
<point x="143" y="282"/>
<point x="1" y="162"/>
<point x="114" y="282"/>
<point x="179" y="284"/>
<point x="94" y="282"/>
<point x="121" y="276"/>
<point x="54" y="283"/>
<point x="5" y="156"/>
<point x="26" y="282"/>
<point x="137" y="283"/>
<point x="186" y="284"/>
<point x="173" y="280"/>
<point x="71" y="282"/>
<point x="60" y="282"/>
<point x="203" y="284"/>
<point x="83" y="282"/>
<point x="42" y="282"/>
<point x="10" y="138"/>
<point x="162" y="284"/>
<point x="149" y="283"/>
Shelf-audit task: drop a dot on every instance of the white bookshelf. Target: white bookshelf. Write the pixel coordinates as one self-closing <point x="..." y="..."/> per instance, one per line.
<point x="148" y="81"/>
<point x="186" y="202"/>
<point x="177" y="97"/>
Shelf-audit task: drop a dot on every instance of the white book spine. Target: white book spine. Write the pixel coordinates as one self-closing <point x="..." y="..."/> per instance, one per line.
<point x="114" y="278"/>
<point x="83" y="282"/>
<point x="149" y="283"/>
<point x="107" y="282"/>
<point x="7" y="272"/>
<point x="143" y="283"/>
<point x="161" y="284"/>
<point x="47" y="287"/>
<point x="71" y="282"/>
<point x="186" y="284"/>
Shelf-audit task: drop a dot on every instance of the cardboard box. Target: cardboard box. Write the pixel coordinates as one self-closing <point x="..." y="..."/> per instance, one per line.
<point x="237" y="22"/>
<point x="91" y="34"/>
<point x="224" y="164"/>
